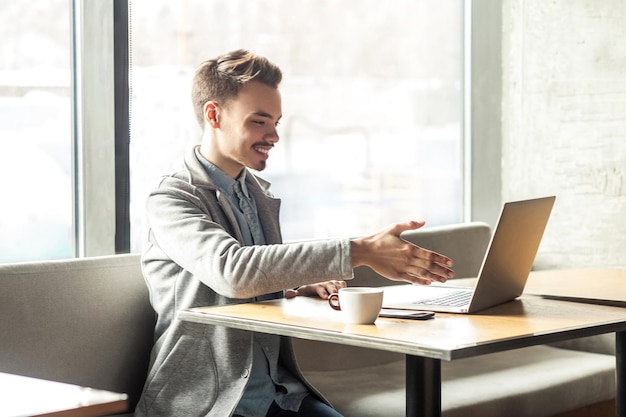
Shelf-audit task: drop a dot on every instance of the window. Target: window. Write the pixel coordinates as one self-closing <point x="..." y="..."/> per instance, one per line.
<point x="371" y="132"/>
<point x="35" y="131"/>
<point x="372" y="104"/>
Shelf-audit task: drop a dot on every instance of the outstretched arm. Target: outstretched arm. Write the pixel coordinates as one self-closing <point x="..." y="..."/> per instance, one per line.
<point x="392" y="257"/>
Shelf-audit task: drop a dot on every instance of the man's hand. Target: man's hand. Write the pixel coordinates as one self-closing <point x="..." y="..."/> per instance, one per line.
<point x="321" y="289"/>
<point x="398" y="260"/>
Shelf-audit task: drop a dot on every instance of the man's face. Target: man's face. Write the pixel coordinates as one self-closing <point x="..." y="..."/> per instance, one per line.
<point x="247" y="128"/>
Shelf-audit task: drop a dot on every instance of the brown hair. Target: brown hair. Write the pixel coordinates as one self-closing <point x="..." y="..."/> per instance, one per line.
<point x="221" y="78"/>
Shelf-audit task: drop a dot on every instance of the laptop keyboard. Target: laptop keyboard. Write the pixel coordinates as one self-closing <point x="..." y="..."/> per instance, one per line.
<point x="454" y="299"/>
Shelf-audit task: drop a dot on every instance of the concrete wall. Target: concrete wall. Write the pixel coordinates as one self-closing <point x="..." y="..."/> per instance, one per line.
<point x="564" y="123"/>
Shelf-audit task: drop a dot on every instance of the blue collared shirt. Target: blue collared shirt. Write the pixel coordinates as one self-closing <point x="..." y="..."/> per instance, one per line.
<point x="268" y="381"/>
<point x="248" y="222"/>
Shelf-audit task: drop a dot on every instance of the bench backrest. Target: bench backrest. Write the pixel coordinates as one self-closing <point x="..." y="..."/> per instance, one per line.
<point x="85" y="321"/>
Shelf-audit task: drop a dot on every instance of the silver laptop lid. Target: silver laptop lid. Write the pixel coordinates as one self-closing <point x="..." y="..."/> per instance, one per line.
<point x="511" y="252"/>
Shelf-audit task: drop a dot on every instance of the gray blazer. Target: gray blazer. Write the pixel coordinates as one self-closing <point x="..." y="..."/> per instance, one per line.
<point x="195" y="258"/>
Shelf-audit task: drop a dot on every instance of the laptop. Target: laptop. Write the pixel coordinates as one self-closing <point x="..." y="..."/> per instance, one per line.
<point x="503" y="272"/>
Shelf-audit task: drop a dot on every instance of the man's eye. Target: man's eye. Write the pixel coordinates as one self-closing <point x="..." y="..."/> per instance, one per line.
<point x="259" y="122"/>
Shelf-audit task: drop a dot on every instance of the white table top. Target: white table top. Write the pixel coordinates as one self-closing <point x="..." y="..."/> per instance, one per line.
<point x="22" y="396"/>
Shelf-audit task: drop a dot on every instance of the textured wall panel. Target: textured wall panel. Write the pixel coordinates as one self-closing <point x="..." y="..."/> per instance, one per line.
<point x="564" y="124"/>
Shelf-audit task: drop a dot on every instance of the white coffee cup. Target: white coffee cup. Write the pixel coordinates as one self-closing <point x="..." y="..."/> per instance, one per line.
<point x="360" y="305"/>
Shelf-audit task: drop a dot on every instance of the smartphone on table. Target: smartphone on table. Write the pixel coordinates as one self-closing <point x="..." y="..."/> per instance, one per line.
<point x="406" y="314"/>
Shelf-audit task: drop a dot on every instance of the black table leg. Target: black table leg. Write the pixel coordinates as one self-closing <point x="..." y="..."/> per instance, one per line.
<point x="423" y="387"/>
<point x="620" y="374"/>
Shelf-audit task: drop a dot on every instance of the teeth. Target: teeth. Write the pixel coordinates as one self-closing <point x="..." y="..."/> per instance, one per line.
<point x="265" y="151"/>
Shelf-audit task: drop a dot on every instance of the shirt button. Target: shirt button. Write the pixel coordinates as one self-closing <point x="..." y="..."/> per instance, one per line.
<point x="245" y="373"/>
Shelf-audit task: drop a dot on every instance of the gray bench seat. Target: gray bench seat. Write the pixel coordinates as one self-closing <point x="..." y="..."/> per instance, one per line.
<point x="538" y="381"/>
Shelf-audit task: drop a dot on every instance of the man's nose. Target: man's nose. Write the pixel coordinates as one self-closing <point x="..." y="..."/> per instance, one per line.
<point x="273" y="137"/>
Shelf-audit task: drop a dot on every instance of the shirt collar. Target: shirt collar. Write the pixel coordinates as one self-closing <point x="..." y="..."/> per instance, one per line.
<point x="221" y="180"/>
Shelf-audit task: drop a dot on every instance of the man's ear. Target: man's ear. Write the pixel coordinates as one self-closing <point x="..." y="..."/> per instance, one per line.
<point x="211" y="114"/>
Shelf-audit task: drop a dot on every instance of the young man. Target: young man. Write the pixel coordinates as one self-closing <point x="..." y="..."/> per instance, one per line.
<point x="215" y="239"/>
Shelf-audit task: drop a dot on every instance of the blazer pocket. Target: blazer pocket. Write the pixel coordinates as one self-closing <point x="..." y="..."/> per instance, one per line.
<point x="186" y="381"/>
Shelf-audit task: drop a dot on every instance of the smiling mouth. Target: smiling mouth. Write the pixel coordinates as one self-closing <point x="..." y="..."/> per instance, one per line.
<point x="262" y="150"/>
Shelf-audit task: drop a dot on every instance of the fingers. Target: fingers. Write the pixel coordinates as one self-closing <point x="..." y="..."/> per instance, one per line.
<point x="425" y="266"/>
<point x="325" y="289"/>
<point x="432" y="266"/>
<point x="422" y="266"/>
<point x="321" y="289"/>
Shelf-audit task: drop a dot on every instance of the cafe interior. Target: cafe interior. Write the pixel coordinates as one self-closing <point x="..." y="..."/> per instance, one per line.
<point x="445" y="111"/>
